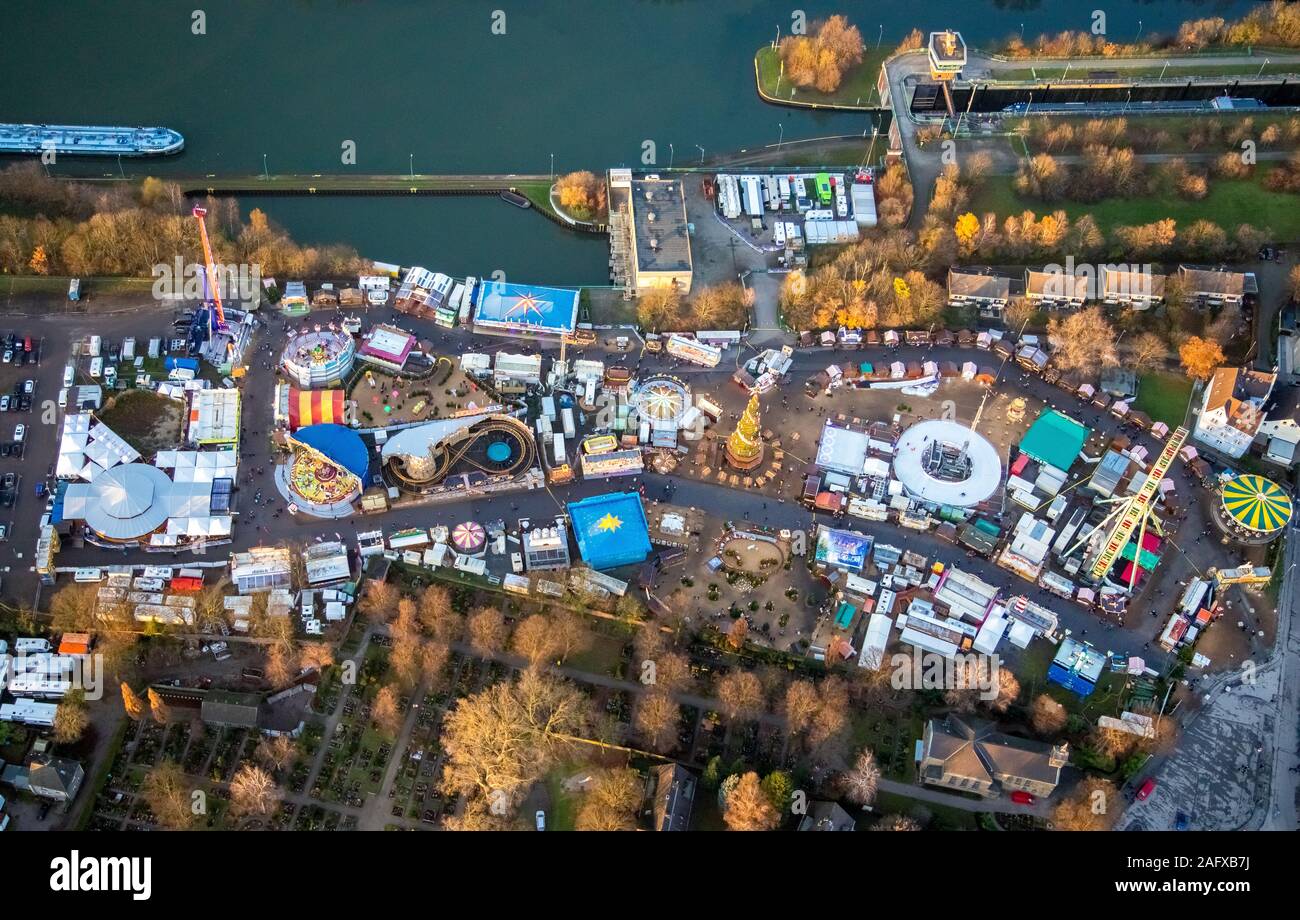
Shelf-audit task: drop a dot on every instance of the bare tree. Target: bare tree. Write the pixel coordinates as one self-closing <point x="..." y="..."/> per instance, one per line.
<point x="611" y="802"/>
<point x="1090" y="806"/>
<point x="315" y="656"/>
<point x="748" y="807"/>
<point x="571" y="633"/>
<point x="437" y="616"/>
<point x="859" y="784"/>
<point x="534" y="640"/>
<point x="487" y="631"/>
<point x="1047" y="715"/>
<point x="379" y="601"/>
<point x="827" y="733"/>
<point x="433" y="661"/>
<point x="501" y="739"/>
<point x="253" y="792"/>
<point x="656" y="718"/>
<point x="384" y="711"/>
<point x="741" y="694"/>
<point x="1008" y="691"/>
<point x="167" y="793"/>
<point x="276" y="751"/>
<point x="801" y="705"/>
<point x="280" y="665"/>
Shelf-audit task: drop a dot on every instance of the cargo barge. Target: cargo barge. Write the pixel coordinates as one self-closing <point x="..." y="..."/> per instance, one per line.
<point x="89" y="140"/>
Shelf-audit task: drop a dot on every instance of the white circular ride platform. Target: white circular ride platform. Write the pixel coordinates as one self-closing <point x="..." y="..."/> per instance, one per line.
<point x="962" y="470"/>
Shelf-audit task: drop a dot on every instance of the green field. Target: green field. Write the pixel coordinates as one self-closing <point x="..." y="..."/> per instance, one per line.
<point x="1164" y="397"/>
<point x="858" y="89"/>
<point x="1230" y="202"/>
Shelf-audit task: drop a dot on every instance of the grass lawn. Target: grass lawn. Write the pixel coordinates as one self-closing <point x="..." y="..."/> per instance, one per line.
<point x="892" y="738"/>
<point x="1231" y="202"/>
<point x="1030" y="668"/>
<point x="1163" y="396"/>
<point x="563" y="812"/>
<point x="943" y="817"/>
<point x="857" y="90"/>
<point x="147" y="421"/>
<point x="603" y="656"/>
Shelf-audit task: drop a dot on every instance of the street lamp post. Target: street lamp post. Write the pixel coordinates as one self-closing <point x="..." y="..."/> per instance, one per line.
<point x="1261" y="69"/>
<point x="671" y="154"/>
<point x="410" y="158"/>
<point x="265" y="174"/>
<point x="552" y="167"/>
<point x="881" y="36"/>
<point x="781" y="138"/>
<point x="1139" y="35"/>
<point x="701" y="149"/>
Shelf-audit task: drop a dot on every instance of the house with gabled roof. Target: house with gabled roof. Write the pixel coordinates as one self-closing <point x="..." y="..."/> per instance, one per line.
<point x="973" y="756"/>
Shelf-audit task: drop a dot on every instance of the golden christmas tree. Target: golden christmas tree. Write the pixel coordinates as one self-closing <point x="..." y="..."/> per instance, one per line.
<point x="745" y="446"/>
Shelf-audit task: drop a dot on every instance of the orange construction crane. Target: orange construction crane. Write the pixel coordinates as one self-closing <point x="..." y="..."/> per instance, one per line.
<point x="218" y="323"/>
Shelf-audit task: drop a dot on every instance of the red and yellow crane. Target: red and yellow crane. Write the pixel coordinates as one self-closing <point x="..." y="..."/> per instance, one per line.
<point x="213" y="301"/>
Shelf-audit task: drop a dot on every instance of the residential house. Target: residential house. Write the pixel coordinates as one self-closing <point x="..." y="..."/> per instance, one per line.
<point x="1232" y="409"/>
<point x="54" y="778"/>
<point x="1056" y="290"/>
<point x="672" y="797"/>
<point x="1139" y="290"/>
<point x="1216" y="286"/>
<point x="974" y="756"/>
<point x="827" y="816"/>
<point x="981" y="288"/>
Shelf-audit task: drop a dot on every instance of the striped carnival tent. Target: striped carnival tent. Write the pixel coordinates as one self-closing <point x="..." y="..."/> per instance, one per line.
<point x="315" y="407"/>
<point x="1256" y="503"/>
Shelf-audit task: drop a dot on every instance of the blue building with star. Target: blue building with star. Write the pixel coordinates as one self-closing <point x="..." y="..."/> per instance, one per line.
<point x="519" y="309"/>
<point x="611" y="529"/>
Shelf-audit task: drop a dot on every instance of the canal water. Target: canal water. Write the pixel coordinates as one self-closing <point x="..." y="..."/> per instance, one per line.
<point x="431" y="87"/>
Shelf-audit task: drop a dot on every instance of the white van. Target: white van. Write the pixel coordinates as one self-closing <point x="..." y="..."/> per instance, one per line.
<point x="95" y="343"/>
<point x="63" y="398"/>
<point x="128" y="349"/>
<point x="96" y="367"/>
<point x="69" y="375"/>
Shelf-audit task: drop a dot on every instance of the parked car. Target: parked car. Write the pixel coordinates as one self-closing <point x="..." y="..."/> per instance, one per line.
<point x="20" y="432"/>
<point x="9" y="356"/>
<point x="541" y="820"/>
<point x="4" y="403"/>
<point x="1145" y="790"/>
<point x="1020" y="797"/>
<point x="29" y="387"/>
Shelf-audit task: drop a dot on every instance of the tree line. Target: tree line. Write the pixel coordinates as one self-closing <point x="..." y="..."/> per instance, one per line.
<point x="59" y="227"/>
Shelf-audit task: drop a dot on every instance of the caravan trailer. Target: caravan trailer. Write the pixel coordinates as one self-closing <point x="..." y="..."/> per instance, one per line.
<point x="753" y="196"/>
<point x="783" y="190"/>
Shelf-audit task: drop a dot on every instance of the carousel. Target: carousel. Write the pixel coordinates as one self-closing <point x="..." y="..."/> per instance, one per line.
<point x="1252" y="509"/>
<point x="663" y="401"/>
<point x="325" y="472"/>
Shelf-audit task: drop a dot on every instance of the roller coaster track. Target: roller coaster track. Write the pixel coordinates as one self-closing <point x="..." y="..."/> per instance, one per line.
<point x="451" y="455"/>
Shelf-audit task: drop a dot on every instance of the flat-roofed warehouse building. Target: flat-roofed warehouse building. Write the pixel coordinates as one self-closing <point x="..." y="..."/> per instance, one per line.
<point x="661" y="243"/>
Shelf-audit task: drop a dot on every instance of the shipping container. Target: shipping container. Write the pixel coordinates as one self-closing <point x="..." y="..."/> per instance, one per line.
<point x="557" y="444"/>
<point x="566" y="417"/>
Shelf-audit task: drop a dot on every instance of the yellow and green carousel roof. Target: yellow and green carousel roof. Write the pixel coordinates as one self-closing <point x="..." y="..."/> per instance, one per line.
<point x="1256" y="503"/>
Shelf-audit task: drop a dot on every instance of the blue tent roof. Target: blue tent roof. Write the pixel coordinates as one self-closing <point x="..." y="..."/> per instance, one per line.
<point x="341" y="445"/>
<point x="611" y="529"/>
